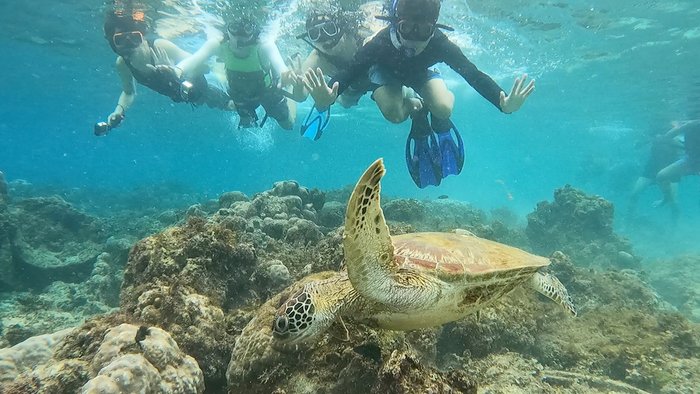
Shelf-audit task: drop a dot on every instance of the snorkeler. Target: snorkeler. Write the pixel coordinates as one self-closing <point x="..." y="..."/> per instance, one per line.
<point x="401" y="55"/>
<point x="157" y="64"/>
<point x="689" y="164"/>
<point x="335" y="36"/>
<point x="663" y="152"/>
<point x="255" y="73"/>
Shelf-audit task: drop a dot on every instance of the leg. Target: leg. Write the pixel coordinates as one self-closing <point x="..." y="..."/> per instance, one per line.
<point x="280" y="108"/>
<point x="439" y="100"/>
<point x="288" y="123"/>
<point x="216" y="98"/>
<point x="669" y="174"/>
<point x="391" y="102"/>
<point x="391" y="97"/>
<point x="247" y="116"/>
<point x="641" y="184"/>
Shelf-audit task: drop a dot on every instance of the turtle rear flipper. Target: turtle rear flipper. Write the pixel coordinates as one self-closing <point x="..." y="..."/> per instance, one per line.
<point x="549" y="286"/>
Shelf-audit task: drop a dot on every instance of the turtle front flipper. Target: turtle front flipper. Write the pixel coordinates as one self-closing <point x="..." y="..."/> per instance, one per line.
<point x="549" y="286"/>
<point x="369" y="252"/>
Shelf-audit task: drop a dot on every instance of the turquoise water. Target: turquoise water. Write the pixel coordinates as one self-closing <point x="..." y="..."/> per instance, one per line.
<point x="607" y="77"/>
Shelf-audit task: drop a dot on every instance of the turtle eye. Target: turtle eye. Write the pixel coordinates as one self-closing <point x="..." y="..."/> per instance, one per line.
<point x="281" y="324"/>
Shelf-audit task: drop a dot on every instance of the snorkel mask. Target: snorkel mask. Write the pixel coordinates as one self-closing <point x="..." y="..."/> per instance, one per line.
<point x="243" y="33"/>
<point x="127" y="41"/>
<point x="413" y="22"/>
<point x="323" y="29"/>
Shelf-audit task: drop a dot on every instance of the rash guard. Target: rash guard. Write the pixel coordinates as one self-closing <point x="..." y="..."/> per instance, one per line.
<point x="409" y="69"/>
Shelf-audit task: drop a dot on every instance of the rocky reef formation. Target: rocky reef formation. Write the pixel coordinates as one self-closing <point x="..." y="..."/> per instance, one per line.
<point x="213" y="282"/>
<point x="100" y="358"/>
<point x="3" y="189"/>
<point x="678" y="281"/>
<point x="58" y="264"/>
<point x="581" y="226"/>
<point x="182" y="280"/>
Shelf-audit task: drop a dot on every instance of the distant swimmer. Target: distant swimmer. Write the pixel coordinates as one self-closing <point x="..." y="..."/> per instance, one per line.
<point x="663" y="152"/>
<point x="689" y="164"/>
<point x="402" y="56"/>
<point x="255" y="72"/>
<point x="157" y="64"/>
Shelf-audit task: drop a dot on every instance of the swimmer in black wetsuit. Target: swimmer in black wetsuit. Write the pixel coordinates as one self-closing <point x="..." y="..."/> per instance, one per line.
<point x="159" y="65"/>
<point x="401" y="55"/>
<point x="664" y="151"/>
<point x="335" y="36"/>
<point x="689" y="164"/>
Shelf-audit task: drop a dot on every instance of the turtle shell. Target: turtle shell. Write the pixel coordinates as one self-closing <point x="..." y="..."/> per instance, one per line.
<point x="456" y="257"/>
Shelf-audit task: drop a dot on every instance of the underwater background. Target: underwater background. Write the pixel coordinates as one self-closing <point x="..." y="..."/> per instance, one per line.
<point x="609" y="77"/>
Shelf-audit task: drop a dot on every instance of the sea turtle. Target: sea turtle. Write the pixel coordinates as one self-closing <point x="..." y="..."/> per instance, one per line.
<point x="409" y="281"/>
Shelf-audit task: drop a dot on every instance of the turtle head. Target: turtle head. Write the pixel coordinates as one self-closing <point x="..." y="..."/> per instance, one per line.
<point x="301" y="318"/>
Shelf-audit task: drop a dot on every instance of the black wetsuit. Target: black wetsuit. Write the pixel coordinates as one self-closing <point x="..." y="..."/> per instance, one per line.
<point x="663" y="152"/>
<point x="166" y="82"/>
<point x="410" y="70"/>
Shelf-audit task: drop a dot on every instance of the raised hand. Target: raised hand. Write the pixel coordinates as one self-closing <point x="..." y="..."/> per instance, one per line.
<point x="115" y="118"/>
<point x="294" y="75"/>
<point x="322" y="94"/>
<point x="160" y="56"/>
<point x="518" y="94"/>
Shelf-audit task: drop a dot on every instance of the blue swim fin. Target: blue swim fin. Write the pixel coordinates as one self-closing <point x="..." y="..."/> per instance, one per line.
<point x="451" y="148"/>
<point x="315" y="122"/>
<point x="423" y="156"/>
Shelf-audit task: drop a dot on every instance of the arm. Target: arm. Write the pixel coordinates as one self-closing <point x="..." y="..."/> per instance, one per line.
<point x="182" y="62"/>
<point x="272" y="54"/>
<point x="128" y="95"/>
<point x="680" y="128"/>
<point x="325" y="94"/>
<point x="299" y="92"/>
<point x="483" y="84"/>
<point x="480" y="81"/>
<point x="197" y="61"/>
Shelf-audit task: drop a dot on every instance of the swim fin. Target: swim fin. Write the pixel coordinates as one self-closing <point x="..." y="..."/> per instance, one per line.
<point x="423" y="156"/>
<point x="451" y="148"/>
<point x="314" y="124"/>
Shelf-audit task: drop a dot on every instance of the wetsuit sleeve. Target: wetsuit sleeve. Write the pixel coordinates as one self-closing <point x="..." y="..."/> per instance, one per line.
<point x="480" y="81"/>
<point x="359" y="65"/>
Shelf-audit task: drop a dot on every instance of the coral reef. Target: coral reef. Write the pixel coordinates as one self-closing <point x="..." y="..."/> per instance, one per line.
<point x="47" y="245"/>
<point x="678" y="281"/>
<point x="101" y="358"/>
<point x="623" y="333"/>
<point x="581" y="226"/>
<point x="3" y="189"/>
<point x="409" y="211"/>
<point x="181" y="279"/>
<point x="28" y="354"/>
<point x="50" y="240"/>
<point x="205" y="293"/>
